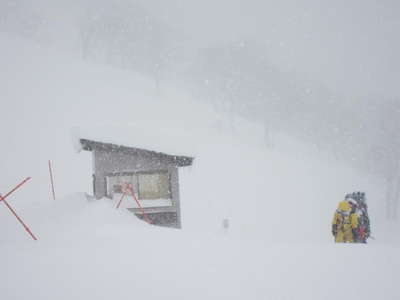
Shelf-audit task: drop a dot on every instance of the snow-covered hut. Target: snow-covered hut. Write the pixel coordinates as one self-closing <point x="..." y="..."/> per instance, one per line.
<point x="152" y="174"/>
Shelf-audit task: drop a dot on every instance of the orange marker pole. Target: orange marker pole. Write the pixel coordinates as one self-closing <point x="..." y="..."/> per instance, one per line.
<point x="119" y="203"/>
<point x="3" y="199"/>
<point x="18" y="218"/>
<point x="13" y="190"/>
<point x="52" y="181"/>
<point x="145" y="216"/>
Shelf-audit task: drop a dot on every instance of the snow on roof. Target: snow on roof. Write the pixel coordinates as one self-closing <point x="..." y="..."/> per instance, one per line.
<point x="171" y="142"/>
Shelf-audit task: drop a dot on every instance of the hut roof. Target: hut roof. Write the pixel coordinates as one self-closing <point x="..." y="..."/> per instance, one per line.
<point x="171" y="141"/>
<point x="177" y="160"/>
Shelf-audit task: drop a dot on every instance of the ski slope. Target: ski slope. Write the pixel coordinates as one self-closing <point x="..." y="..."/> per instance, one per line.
<point x="279" y="201"/>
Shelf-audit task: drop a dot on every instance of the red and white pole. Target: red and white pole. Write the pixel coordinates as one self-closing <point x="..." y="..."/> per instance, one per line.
<point x="119" y="203"/>
<point x="13" y="190"/>
<point x="145" y="216"/>
<point x="52" y="181"/>
<point x="3" y="199"/>
<point x="18" y="218"/>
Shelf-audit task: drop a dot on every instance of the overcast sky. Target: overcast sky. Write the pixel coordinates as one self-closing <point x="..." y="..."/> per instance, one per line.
<point x="352" y="46"/>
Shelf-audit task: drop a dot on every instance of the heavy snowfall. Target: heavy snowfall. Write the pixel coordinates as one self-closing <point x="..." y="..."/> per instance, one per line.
<point x="286" y="107"/>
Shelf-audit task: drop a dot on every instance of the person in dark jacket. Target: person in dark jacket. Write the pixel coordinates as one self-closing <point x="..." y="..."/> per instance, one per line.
<point x="363" y="230"/>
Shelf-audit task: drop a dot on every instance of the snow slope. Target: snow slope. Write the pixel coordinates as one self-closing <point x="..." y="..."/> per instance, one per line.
<point x="92" y="251"/>
<point x="279" y="202"/>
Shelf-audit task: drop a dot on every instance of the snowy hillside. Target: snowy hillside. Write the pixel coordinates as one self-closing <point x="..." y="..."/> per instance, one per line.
<point x="279" y="201"/>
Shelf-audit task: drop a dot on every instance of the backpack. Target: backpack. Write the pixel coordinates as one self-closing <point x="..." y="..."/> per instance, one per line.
<point x="363" y="223"/>
<point x="343" y="219"/>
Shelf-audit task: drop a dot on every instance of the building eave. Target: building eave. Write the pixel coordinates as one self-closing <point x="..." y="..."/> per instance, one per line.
<point x="177" y="160"/>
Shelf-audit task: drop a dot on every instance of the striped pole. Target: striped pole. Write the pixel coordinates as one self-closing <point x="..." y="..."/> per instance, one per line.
<point x="52" y="181"/>
<point x="145" y="216"/>
<point x="3" y="199"/>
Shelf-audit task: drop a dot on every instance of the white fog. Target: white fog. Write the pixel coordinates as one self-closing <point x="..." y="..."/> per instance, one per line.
<point x="190" y="149"/>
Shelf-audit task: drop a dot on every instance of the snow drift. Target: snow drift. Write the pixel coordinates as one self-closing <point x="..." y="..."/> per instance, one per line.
<point x="279" y="202"/>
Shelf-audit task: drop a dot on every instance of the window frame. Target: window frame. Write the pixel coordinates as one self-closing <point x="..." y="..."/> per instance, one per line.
<point x="137" y="188"/>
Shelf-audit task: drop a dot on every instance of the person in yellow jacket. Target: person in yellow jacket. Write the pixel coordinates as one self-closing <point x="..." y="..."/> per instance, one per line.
<point x="344" y="223"/>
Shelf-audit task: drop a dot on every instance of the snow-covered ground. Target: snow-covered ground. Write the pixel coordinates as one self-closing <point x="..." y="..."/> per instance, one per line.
<point x="279" y="202"/>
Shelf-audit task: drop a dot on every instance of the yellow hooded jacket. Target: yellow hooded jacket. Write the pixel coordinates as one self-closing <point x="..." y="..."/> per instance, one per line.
<point x="343" y="223"/>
